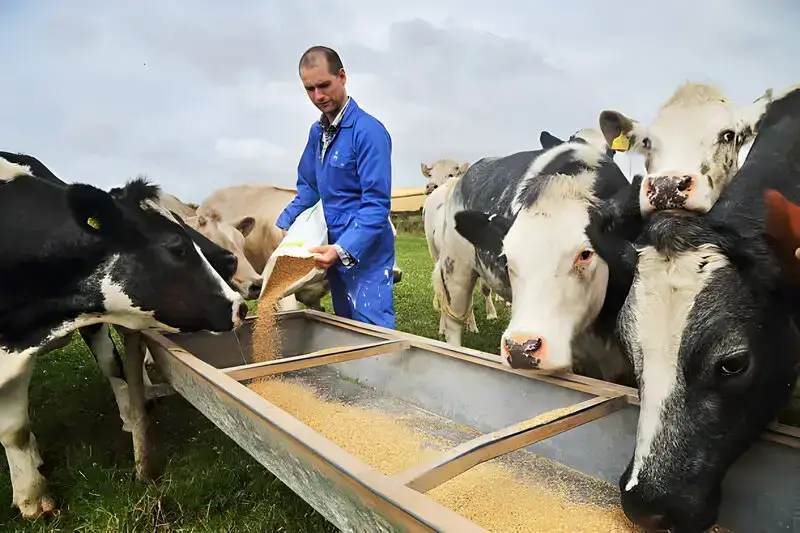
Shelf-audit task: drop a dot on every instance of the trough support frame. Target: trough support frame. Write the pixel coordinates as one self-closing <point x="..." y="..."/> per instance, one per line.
<point x="459" y="459"/>
<point x="319" y="358"/>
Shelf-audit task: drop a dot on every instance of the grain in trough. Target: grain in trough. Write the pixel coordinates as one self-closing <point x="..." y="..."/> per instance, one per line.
<point x="381" y="430"/>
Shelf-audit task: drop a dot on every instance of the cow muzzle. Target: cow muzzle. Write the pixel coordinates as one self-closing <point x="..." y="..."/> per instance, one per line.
<point x="665" y="191"/>
<point x="526" y="351"/>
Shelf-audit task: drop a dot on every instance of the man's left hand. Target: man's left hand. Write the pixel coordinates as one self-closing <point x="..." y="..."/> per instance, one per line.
<point x="327" y="256"/>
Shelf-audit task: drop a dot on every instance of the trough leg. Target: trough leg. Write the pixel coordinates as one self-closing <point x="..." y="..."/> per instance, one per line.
<point x="134" y="370"/>
<point x="28" y="485"/>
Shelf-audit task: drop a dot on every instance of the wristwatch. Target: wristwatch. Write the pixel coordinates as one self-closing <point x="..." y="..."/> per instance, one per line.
<point x="344" y="257"/>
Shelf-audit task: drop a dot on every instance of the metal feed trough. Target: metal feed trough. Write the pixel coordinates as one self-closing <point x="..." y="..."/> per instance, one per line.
<point x="463" y="396"/>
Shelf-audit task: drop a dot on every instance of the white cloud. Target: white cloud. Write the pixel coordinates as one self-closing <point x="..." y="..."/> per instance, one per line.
<point x="202" y="94"/>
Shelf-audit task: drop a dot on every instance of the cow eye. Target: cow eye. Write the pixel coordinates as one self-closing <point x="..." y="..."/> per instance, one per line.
<point x="584" y="256"/>
<point x="734" y="364"/>
<point x="646" y="143"/>
<point x="727" y="136"/>
<point x="177" y="246"/>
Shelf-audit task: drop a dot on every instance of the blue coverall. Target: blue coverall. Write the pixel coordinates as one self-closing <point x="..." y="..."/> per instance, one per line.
<point x="354" y="181"/>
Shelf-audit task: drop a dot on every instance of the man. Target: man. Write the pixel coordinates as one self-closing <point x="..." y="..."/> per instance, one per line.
<point x="347" y="163"/>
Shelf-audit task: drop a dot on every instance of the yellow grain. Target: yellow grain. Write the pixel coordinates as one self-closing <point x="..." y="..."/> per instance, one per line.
<point x="489" y="494"/>
<point x="265" y="335"/>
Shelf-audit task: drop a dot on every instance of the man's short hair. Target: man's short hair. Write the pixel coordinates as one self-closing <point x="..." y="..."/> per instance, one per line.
<point x="309" y="59"/>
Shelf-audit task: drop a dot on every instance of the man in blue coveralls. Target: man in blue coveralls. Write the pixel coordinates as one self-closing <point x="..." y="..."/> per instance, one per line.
<point x="347" y="163"/>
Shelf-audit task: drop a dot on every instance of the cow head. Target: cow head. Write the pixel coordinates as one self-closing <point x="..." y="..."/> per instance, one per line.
<point x="557" y="280"/>
<point x="231" y="237"/>
<point x="440" y="171"/>
<point x="153" y="269"/>
<point x="709" y="324"/>
<point x="691" y="149"/>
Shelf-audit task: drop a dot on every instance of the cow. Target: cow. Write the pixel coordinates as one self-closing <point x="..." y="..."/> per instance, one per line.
<point x="520" y="223"/>
<point x="710" y="323"/>
<point x="75" y="256"/>
<point x="98" y="336"/>
<point x="440" y="171"/>
<point x="691" y="149"/>
<point x="262" y="204"/>
<point x="433" y="221"/>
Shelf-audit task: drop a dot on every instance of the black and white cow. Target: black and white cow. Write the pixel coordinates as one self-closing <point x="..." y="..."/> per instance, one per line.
<point x="520" y="223"/>
<point x="72" y="256"/>
<point x="710" y="324"/>
<point x="98" y="336"/>
<point x="691" y="149"/>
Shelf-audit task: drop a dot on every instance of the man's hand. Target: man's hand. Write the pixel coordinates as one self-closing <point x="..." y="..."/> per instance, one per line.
<point x="327" y="257"/>
<point x="283" y="233"/>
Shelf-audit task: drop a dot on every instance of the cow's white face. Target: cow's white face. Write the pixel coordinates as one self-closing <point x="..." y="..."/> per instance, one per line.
<point x="232" y="238"/>
<point x="691" y="150"/>
<point x="557" y="281"/>
<point x="441" y="171"/>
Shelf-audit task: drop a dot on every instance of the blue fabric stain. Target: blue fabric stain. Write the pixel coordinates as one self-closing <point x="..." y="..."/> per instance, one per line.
<point x="354" y="182"/>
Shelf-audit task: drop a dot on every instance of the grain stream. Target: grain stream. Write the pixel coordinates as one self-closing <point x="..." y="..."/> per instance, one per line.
<point x="490" y="494"/>
<point x="266" y="335"/>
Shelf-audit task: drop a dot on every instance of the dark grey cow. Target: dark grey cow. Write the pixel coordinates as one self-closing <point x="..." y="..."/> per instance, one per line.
<point x="72" y="256"/>
<point x="520" y="222"/>
<point x="711" y="326"/>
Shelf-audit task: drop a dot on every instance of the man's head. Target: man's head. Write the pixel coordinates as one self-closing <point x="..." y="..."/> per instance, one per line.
<point x="324" y="79"/>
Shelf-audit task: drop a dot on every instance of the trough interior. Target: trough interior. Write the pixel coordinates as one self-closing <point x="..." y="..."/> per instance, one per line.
<point x="762" y="490"/>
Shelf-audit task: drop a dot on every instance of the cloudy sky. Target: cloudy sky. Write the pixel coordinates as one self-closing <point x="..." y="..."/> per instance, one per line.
<point x="202" y="94"/>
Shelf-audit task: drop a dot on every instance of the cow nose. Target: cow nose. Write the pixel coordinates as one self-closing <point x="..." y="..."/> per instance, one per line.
<point x="231" y="264"/>
<point x="242" y="311"/>
<point x="255" y="289"/>
<point x="523" y="351"/>
<point x="644" y="514"/>
<point x="669" y="190"/>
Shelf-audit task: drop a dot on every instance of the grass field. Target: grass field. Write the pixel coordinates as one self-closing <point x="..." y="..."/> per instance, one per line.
<point x="209" y="483"/>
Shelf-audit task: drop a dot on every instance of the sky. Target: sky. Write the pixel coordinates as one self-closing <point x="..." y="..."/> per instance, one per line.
<point x="204" y="94"/>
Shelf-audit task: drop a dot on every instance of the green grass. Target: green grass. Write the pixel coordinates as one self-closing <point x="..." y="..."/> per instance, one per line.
<point x="209" y="483"/>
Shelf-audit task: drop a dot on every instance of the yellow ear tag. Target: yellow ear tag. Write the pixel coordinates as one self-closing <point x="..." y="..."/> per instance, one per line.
<point x="93" y="222"/>
<point x="621" y="143"/>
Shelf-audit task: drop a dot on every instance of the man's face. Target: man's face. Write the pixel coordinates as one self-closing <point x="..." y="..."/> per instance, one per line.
<point x="325" y="90"/>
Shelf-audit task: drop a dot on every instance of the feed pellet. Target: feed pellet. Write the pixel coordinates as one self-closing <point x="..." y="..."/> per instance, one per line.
<point x="265" y="335"/>
<point x="490" y="494"/>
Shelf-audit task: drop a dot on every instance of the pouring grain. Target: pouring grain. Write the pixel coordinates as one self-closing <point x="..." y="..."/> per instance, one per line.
<point x="266" y="336"/>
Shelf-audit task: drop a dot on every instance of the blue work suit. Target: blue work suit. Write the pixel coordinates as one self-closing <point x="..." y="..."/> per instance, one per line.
<point x="354" y="182"/>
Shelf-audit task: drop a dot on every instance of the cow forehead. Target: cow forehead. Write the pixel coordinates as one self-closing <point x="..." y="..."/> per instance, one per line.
<point x="664" y="293"/>
<point x="697" y="124"/>
<point x="554" y="225"/>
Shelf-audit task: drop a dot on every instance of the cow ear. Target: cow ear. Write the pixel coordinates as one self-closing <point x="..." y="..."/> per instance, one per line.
<point x="548" y="140"/>
<point x="485" y="232"/>
<point x="94" y="209"/>
<point x="617" y="129"/>
<point x="426" y="170"/>
<point x="246" y="225"/>
<point x="463" y="168"/>
<point x="782" y="225"/>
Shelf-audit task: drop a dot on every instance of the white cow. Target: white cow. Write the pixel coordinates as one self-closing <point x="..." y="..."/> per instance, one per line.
<point x="440" y="171"/>
<point x="691" y="149"/>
